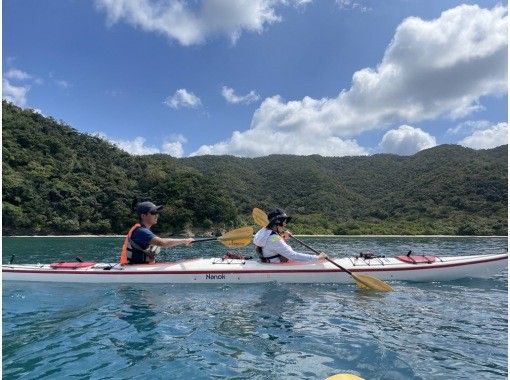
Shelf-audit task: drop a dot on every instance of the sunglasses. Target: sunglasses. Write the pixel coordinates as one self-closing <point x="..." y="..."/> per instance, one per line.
<point x="154" y="213"/>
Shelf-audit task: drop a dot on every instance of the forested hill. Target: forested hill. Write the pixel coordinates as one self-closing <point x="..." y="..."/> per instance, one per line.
<point x="59" y="181"/>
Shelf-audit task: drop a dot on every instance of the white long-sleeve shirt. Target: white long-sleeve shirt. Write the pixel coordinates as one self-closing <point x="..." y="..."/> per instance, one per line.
<point x="273" y="244"/>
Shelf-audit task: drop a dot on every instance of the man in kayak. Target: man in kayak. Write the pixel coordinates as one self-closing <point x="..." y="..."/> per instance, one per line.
<point x="270" y="241"/>
<point x="141" y="244"/>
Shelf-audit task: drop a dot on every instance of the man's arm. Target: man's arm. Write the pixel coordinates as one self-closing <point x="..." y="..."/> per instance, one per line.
<point x="167" y="242"/>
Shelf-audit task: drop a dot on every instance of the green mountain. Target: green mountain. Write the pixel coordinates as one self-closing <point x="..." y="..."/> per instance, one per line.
<point x="57" y="180"/>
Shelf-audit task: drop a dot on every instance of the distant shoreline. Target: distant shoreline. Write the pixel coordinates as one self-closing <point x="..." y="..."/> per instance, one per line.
<point x="317" y="236"/>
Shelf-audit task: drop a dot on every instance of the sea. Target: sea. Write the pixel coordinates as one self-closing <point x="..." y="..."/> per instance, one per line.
<point x="438" y="330"/>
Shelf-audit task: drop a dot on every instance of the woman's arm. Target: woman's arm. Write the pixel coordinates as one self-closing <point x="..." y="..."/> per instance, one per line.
<point x="278" y="246"/>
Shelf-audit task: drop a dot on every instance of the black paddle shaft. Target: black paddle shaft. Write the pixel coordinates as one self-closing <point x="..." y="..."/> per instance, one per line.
<point x="317" y="252"/>
<point x="204" y="239"/>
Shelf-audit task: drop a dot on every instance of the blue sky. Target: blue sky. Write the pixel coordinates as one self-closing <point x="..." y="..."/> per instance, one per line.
<point x="251" y="78"/>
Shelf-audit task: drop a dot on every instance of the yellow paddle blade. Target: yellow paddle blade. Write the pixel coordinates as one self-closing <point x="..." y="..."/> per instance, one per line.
<point x="344" y="376"/>
<point x="240" y="237"/>
<point x="368" y="282"/>
<point x="260" y="217"/>
<point x="235" y="243"/>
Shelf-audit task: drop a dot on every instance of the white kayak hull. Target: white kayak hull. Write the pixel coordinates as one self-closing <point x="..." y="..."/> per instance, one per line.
<point x="207" y="271"/>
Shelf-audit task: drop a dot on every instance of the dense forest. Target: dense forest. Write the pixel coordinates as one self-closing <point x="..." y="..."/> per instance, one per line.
<point x="59" y="181"/>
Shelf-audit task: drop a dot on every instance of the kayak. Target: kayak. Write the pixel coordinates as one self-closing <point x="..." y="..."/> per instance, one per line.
<point x="238" y="269"/>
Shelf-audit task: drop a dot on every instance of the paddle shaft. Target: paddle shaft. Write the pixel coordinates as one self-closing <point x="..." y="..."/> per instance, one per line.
<point x="240" y="234"/>
<point x="204" y="239"/>
<point x="260" y="218"/>
<point x="365" y="281"/>
<point x="317" y="252"/>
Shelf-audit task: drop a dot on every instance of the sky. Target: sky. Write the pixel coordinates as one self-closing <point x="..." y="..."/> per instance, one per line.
<point x="253" y="78"/>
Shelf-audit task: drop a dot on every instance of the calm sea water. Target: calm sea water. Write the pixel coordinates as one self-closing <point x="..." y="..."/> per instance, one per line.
<point x="450" y="330"/>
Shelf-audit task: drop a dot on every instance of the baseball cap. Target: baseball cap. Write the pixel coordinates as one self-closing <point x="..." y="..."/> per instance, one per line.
<point x="146" y="207"/>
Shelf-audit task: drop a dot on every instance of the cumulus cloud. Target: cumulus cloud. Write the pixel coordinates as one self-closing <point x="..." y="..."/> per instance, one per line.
<point x="16" y="84"/>
<point x="15" y="94"/>
<point x="136" y="147"/>
<point x="194" y="22"/>
<point x="431" y="69"/>
<point x="491" y="137"/>
<point x="481" y="134"/>
<point x="172" y="146"/>
<point x="406" y="140"/>
<point x="183" y="98"/>
<point x="261" y="142"/>
<point x="230" y="96"/>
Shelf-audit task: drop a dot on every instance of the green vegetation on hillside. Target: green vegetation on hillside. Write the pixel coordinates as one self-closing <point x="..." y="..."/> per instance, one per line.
<point x="59" y="181"/>
<point x="56" y="180"/>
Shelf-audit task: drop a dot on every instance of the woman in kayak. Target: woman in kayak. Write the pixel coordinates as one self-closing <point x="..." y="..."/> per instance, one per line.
<point x="270" y="241"/>
<point x="141" y="244"/>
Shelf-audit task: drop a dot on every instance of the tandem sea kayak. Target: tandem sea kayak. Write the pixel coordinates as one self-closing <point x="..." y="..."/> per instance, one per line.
<point x="245" y="271"/>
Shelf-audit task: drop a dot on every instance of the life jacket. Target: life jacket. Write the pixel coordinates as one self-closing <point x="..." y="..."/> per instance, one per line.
<point x="132" y="253"/>
<point x="270" y="259"/>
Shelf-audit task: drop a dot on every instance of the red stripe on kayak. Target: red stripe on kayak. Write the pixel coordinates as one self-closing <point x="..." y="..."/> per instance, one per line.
<point x="110" y="272"/>
<point x="433" y="265"/>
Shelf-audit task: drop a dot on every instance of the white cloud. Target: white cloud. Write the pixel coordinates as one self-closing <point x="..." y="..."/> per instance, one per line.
<point x="230" y="96"/>
<point x="469" y="126"/>
<point x="16" y="74"/>
<point x="183" y="98"/>
<point x="406" y="140"/>
<point x="172" y="146"/>
<point x="12" y="90"/>
<point x="261" y="142"/>
<point x="136" y="147"/>
<point x="37" y="110"/>
<point x="353" y="5"/>
<point x="194" y="22"/>
<point x="431" y="69"/>
<point x="491" y="137"/>
<point x="14" y="94"/>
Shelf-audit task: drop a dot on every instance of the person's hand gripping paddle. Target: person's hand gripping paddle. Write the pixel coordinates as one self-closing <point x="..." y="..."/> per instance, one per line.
<point x="362" y="280"/>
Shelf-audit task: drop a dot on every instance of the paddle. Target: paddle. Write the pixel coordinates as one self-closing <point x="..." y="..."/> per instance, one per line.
<point x="240" y="237"/>
<point x="344" y="376"/>
<point x="362" y="280"/>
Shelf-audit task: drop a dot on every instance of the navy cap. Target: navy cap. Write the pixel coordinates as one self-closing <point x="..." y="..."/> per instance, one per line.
<point x="146" y="207"/>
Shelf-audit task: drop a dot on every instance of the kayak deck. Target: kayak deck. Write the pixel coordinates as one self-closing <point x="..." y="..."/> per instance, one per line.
<point x="218" y="270"/>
